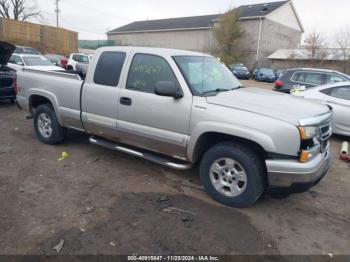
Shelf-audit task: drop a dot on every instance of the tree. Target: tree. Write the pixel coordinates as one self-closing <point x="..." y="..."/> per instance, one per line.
<point x="228" y="33"/>
<point x="315" y="43"/>
<point x="343" y="44"/>
<point x="18" y="10"/>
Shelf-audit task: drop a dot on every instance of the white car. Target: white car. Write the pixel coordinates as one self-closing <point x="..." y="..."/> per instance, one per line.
<point x="338" y="97"/>
<point x="77" y="58"/>
<point x="37" y="62"/>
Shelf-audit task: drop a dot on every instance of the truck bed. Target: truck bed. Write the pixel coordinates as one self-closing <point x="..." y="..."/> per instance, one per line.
<point x="61" y="87"/>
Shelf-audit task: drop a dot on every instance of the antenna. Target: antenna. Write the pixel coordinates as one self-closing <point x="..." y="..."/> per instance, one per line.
<point x="57" y="11"/>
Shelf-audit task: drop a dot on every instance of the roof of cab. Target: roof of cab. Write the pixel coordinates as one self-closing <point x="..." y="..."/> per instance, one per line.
<point x="152" y="50"/>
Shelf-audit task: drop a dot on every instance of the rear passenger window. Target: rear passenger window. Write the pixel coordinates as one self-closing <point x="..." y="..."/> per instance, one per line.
<point x="313" y="78"/>
<point x="146" y="71"/>
<point x="14" y="59"/>
<point x="334" y="79"/>
<point x="341" y="92"/>
<point x="109" y="68"/>
<point x="308" y="78"/>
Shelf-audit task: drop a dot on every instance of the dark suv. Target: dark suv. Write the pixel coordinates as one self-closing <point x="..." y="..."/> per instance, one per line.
<point x="7" y="75"/>
<point x="308" y="77"/>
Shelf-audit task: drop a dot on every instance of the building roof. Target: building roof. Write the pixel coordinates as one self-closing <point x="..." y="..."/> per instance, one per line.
<point x="329" y="54"/>
<point x="196" y="22"/>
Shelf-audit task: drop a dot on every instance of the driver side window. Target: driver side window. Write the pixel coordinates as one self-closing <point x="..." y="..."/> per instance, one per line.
<point x="146" y="71"/>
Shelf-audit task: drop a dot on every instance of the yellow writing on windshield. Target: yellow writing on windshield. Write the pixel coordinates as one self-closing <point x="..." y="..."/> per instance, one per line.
<point x="147" y="69"/>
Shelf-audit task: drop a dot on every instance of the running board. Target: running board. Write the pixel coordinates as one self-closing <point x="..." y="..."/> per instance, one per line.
<point x="150" y="157"/>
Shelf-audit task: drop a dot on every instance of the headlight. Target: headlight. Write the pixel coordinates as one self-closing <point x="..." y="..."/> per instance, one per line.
<point x="308" y="132"/>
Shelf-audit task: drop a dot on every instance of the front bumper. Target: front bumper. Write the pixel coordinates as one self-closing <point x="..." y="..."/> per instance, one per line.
<point x="295" y="176"/>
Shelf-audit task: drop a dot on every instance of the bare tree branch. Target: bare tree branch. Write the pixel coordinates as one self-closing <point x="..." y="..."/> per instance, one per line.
<point x="18" y="10"/>
<point x="4" y="8"/>
<point x="343" y="44"/>
<point x="315" y="43"/>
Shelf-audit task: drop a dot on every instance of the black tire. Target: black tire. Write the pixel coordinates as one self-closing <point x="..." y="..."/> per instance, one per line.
<point x="58" y="132"/>
<point x="248" y="160"/>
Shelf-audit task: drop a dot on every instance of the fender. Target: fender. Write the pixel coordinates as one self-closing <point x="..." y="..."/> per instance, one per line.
<point x="48" y="95"/>
<point x="263" y="139"/>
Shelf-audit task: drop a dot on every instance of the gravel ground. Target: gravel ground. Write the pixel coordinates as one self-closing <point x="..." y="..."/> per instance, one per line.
<point x="104" y="202"/>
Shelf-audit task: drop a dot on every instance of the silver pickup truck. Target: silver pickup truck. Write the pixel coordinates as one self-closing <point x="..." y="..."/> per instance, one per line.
<point x="179" y="109"/>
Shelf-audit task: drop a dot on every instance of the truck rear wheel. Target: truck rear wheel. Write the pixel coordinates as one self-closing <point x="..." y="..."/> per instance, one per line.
<point x="232" y="174"/>
<point x="46" y="125"/>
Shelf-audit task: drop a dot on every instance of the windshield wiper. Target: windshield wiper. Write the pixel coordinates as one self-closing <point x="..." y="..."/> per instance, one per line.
<point x="218" y="90"/>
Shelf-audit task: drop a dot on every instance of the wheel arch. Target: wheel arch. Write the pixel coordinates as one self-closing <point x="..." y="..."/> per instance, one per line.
<point x="208" y="134"/>
<point x="209" y="139"/>
<point x="38" y="98"/>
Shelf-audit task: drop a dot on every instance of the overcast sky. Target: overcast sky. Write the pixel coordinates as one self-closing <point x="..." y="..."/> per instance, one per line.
<point x="93" y="18"/>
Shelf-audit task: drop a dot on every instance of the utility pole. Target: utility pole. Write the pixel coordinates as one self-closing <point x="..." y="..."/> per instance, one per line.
<point x="57" y="11"/>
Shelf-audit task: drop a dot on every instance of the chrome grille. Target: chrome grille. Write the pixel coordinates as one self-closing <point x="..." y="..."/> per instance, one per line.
<point x="325" y="132"/>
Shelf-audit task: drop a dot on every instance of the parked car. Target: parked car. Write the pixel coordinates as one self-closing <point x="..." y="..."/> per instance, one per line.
<point x="160" y="105"/>
<point x="338" y="97"/>
<point x="82" y="68"/>
<point x="265" y="75"/>
<point x="37" y="62"/>
<point x="64" y="62"/>
<point x="304" y="78"/>
<point x="231" y="67"/>
<point x="56" y="59"/>
<point x="26" y="50"/>
<point x="76" y="58"/>
<point x="241" y="72"/>
<point x="7" y="74"/>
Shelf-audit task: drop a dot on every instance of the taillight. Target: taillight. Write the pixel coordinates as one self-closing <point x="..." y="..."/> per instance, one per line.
<point x="278" y="84"/>
<point x="15" y="87"/>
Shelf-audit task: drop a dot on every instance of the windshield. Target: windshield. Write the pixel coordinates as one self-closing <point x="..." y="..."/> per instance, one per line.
<point x="206" y="74"/>
<point x="266" y="71"/>
<point x="36" y="61"/>
<point x="241" y="68"/>
<point x="81" y="58"/>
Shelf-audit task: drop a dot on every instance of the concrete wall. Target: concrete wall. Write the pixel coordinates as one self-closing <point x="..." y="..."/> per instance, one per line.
<point x="282" y="13"/>
<point x="194" y="40"/>
<point x="276" y="36"/>
<point x="330" y="65"/>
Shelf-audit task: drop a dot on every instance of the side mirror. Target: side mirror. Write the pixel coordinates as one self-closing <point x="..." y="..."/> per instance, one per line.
<point x="168" y="88"/>
<point x="19" y="63"/>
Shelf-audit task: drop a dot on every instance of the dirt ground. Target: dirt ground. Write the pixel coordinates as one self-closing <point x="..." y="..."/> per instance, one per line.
<point x="104" y="202"/>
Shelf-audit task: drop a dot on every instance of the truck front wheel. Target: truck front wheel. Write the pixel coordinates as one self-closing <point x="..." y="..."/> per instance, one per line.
<point x="46" y="125"/>
<point x="232" y="174"/>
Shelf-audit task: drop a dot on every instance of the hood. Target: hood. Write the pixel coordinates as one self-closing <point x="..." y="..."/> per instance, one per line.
<point x="269" y="103"/>
<point x="6" y="50"/>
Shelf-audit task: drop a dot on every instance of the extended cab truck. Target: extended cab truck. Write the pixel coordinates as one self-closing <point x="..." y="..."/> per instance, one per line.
<point x="180" y="108"/>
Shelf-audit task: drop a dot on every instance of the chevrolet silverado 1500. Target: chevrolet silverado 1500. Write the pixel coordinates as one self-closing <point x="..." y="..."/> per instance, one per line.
<point x="180" y="108"/>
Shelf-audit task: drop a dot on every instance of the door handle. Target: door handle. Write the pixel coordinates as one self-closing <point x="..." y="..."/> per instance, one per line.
<point x="126" y="101"/>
